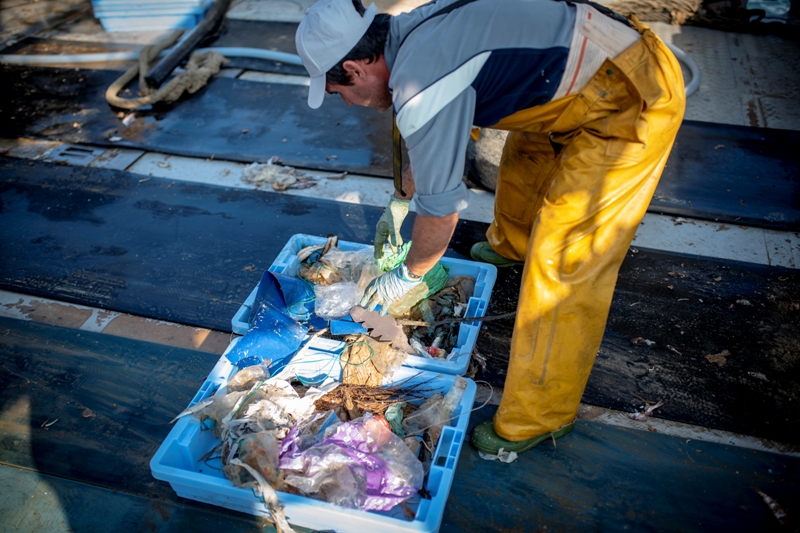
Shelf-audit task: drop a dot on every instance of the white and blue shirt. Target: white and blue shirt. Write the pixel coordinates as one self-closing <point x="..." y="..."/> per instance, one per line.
<point x="479" y="64"/>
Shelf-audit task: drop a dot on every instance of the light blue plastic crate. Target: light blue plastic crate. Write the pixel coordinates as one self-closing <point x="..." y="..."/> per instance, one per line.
<point x="484" y="274"/>
<point x="177" y="460"/>
<point x="128" y="9"/>
<point x="150" y="17"/>
<point x="133" y="5"/>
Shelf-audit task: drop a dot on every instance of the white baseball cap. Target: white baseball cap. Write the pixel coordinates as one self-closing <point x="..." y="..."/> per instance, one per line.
<point x="330" y="29"/>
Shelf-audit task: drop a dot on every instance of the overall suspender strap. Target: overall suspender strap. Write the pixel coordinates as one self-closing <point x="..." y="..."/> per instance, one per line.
<point x="602" y="9"/>
<point x="397" y="157"/>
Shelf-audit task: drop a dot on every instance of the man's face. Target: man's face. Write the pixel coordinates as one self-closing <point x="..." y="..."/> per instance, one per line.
<point x="363" y="96"/>
<point x="370" y="87"/>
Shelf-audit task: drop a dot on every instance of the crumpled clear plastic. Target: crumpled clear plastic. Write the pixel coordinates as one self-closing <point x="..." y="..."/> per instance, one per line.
<point x="260" y="452"/>
<point x="247" y="377"/>
<point x="220" y="406"/>
<point x="352" y="272"/>
<point x="336" y="300"/>
<point x="271" y="405"/>
<point x="435" y="413"/>
<point x="279" y="405"/>
<point x="361" y="465"/>
<point x="337" y="266"/>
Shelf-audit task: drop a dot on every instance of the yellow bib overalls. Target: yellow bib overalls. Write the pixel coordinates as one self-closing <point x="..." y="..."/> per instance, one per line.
<point x="575" y="180"/>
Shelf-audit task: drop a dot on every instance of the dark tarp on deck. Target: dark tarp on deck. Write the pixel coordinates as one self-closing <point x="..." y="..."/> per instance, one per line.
<point x="191" y="253"/>
<point x="231" y="119"/>
<point x="111" y="400"/>
<point x="748" y="176"/>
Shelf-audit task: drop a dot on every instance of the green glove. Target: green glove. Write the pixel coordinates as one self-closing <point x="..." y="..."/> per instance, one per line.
<point x="388" y="228"/>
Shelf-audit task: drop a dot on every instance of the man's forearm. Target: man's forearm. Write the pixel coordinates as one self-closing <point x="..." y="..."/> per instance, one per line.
<point x="409" y="187"/>
<point x="430" y="236"/>
<point x="429" y="240"/>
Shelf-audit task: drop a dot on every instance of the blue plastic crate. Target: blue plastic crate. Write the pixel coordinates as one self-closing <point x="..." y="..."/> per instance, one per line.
<point x="177" y="460"/>
<point x="484" y="274"/>
<point x="133" y="5"/>
<point x="171" y="7"/>
<point x="150" y="16"/>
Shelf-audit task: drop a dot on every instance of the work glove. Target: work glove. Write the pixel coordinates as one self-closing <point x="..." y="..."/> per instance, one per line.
<point x="388" y="228"/>
<point x="388" y="288"/>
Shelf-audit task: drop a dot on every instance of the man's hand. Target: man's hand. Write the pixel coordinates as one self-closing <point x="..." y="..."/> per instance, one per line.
<point x="388" y="288"/>
<point x="388" y="228"/>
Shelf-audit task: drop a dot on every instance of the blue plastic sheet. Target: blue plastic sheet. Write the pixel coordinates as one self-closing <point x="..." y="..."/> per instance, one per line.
<point x="290" y="295"/>
<point x="276" y="331"/>
<point x="346" y="326"/>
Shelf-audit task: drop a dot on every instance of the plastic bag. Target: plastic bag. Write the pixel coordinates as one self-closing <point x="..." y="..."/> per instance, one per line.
<point x="350" y="265"/>
<point x="220" y="407"/>
<point x="362" y="464"/>
<point x="336" y="300"/>
<point x="304" y="435"/>
<point x="340" y="278"/>
<point x="279" y="405"/>
<point x="260" y="451"/>
<point x="337" y="266"/>
<point x="247" y="377"/>
<point x="435" y="413"/>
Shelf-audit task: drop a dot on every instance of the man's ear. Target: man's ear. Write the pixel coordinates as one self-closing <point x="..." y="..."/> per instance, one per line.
<point x="355" y="69"/>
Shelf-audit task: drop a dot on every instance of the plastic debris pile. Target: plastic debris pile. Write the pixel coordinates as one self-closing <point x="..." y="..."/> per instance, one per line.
<point x="340" y="277"/>
<point x="357" y="446"/>
<point x="279" y="176"/>
<point x="450" y="302"/>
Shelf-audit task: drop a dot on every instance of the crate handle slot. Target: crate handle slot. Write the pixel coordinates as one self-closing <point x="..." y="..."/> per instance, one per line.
<point x="475" y="308"/>
<point x="480" y="282"/>
<point x="208" y="389"/>
<point x="446" y="452"/>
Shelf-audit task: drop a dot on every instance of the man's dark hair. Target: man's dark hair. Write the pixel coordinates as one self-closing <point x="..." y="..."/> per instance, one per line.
<point x="370" y="47"/>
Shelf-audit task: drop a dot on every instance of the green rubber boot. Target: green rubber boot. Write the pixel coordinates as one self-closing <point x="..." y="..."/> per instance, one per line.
<point x="486" y="440"/>
<point x="482" y="251"/>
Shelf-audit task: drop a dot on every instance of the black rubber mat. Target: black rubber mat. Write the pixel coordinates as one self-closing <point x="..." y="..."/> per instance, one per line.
<point x="731" y="174"/>
<point x="92" y="409"/>
<point x="604" y="478"/>
<point x="79" y="506"/>
<point x="690" y="308"/>
<point x="231" y="119"/>
<point x="191" y="253"/>
<point x="181" y="251"/>
<point x="750" y="176"/>
<point x="113" y="399"/>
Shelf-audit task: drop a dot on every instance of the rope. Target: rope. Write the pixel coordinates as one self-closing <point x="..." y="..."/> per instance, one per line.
<point x="201" y="66"/>
<point x="349" y="347"/>
<point x="672" y="11"/>
<point x="404" y="322"/>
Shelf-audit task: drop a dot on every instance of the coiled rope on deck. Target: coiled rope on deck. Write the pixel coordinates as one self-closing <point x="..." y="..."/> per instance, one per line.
<point x="199" y="69"/>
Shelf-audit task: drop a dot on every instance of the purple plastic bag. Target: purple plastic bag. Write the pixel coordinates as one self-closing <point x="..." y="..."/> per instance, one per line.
<point x="382" y="471"/>
<point x="290" y="449"/>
